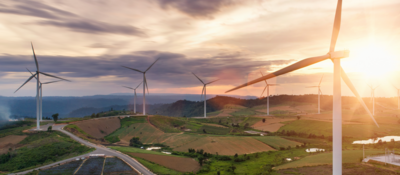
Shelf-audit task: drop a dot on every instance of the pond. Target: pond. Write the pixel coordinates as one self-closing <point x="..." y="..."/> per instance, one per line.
<point x="372" y="141"/>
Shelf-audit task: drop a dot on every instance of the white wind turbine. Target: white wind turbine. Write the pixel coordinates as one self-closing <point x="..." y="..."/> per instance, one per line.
<point x="40" y="95"/>
<point x="267" y="87"/>
<point x="373" y="98"/>
<point x="134" y="98"/>
<point x="144" y="84"/>
<point x="338" y="73"/>
<point x="398" y="97"/>
<point x="205" y="94"/>
<point x="36" y="75"/>
<point x="319" y="93"/>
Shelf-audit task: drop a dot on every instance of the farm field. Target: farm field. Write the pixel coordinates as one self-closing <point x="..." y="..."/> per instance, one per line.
<point x="271" y="124"/>
<point x="166" y="124"/>
<point x="181" y="164"/>
<point x="91" y="166"/>
<point x="226" y="145"/>
<point x="357" y="131"/>
<point x="147" y="133"/>
<point x="349" y="156"/>
<point x="99" y="127"/>
<point x="67" y="168"/>
<point x="10" y="141"/>
<point x="114" y="165"/>
<point x="348" y="169"/>
<point x="277" y="142"/>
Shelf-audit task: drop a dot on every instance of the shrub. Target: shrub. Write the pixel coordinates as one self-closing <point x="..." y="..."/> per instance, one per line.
<point x="135" y="142"/>
<point x="49" y="129"/>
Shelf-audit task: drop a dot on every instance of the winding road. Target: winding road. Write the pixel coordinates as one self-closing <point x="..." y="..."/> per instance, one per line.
<point x="100" y="149"/>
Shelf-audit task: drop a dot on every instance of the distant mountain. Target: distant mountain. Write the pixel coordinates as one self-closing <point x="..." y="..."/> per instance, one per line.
<point x="81" y="106"/>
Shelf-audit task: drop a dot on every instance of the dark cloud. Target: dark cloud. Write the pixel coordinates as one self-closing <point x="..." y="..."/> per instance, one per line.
<point x="96" y="27"/>
<point x="172" y="69"/>
<point x="197" y="9"/>
<point x="64" y="19"/>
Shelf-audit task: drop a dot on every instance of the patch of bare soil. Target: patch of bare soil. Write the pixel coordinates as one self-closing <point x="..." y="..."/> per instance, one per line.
<point x="10" y="141"/>
<point x="348" y="169"/>
<point x="181" y="164"/>
<point x="91" y="139"/>
<point x="100" y="127"/>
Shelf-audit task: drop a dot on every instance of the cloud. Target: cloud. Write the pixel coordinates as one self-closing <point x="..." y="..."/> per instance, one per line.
<point x="197" y="9"/>
<point x="63" y="19"/>
<point x="173" y="69"/>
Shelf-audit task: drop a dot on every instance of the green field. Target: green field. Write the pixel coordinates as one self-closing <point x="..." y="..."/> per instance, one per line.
<point x="357" y="131"/>
<point x="138" y="150"/>
<point x="167" y="124"/>
<point x="213" y="130"/>
<point x="305" y="140"/>
<point x="349" y="156"/>
<point x="125" y="128"/>
<point x="156" y="168"/>
<point x="277" y="142"/>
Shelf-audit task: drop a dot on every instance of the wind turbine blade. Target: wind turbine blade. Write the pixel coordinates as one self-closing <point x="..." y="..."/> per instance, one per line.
<point x="52" y="82"/>
<point x="351" y="87"/>
<point x="139" y="85"/>
<point x="273" y="84"/>
<point x="202" y="91"/>
<point x="395" y="87"/>
<point x="376" y="87"/>
<point x="133" y="69"/>
<point x="32" y="74"/>
<point x="34" y="56"/>
<point x="311" y="86"/>
<point x="293" y="67"/>
<point x="264" y="80"/>
<point x="213" y="81"/>
<point x="320" y="91"/>
<point x="321" y="80"/>
<point x="151" y="65"/>
<point x="263" y="91"/>
<point x="198" y="78"/>
<point x="54" y="76"/>
<point x="336" y="26"/>
<point x="29" y="79"/>
<point x="128" y="87"/>
<point x="145" y="83"/>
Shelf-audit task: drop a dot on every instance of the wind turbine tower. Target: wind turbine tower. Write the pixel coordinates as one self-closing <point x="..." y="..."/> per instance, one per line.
<point x="319" y="93"/>
<point x="267" y="87"/>
<point x="134" y="98"/>
<point x="338" y="73"/>
<point x="205" y="94"/>
<point x="36" y="75"/>
<point x="144" y="83"/>
<point x="373" y="98"/>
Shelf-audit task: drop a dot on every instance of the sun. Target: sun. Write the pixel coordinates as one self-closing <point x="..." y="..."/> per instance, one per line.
<point x="372" y="60"/>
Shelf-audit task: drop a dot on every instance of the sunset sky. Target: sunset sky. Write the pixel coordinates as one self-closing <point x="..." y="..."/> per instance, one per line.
<point x="88" y="41"/>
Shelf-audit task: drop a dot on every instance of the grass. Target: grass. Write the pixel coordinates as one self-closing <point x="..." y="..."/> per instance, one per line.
<point x="349" y="156"/>
<point x="42" y="148"/>
<point x="304" y="140"/>
<point x="72" y="126"/>
<point x="125" y="127"/>
<point x="277" y="142"/>
<point x="213" y="130"/>
<point x="358" y="131"/>
<point x="167" y="124"/>
<point x="11" y="128"/>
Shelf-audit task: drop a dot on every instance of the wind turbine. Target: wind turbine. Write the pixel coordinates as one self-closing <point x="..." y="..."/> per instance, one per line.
<point x="319" y="93"/>
<point x="205" y="94"/>
<point x="373" y="98"/>
<point x="398" y="97"/>
<point x="144" y="84"/>
<point x="267" y="87"/>
<point x="338" y="73"/>
<point x="134" y="99"/>
<point x="36" y="75"/>
<point x="40" y="95"/>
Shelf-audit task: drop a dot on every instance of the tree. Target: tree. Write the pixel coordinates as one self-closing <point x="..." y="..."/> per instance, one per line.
<point x="49" y="129"/>
<point x="93" y="116"/>
<point x="263" y="120"/>
<point x="97" y="115"/>
<point x="219" y="121"/>
<point x="201" y="158"/>
<point x="236" y="155"/>
<point x="298" y="117"/>
<point x="135" y="142"/>
<point x="55" y="117"/>
<point x="204" y="130"/>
